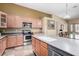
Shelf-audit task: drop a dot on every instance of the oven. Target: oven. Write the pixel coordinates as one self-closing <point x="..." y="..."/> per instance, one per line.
<point x="27" y="35"/>
<point x="27" y="32"/>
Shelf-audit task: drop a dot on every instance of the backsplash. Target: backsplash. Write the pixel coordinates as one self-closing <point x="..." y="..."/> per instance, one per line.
<point x="20" y="30"/>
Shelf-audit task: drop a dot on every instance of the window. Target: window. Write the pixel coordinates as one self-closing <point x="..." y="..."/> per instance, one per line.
<point x="71" y="27"/>
<point x="74" y="31"/>
<point x="76" y="27"/>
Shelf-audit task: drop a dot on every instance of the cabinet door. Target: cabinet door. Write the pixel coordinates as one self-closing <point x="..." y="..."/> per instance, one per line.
<point x="4" y="43"/>
<point x="14" y="21"/>
<point x="11" y="21"/>
<point x="36" y="23"/>
<point x="34" y="44"/>
<point x="11" y="41"/>
<point x="44" y="51"/>
<point x="19" y="40"/>
<point x="38" y="47"/>
<point x="3" y="20"/>
<point x="18" y="22"/>
<point x="1" y="47"/>
<point x="44" y="44"/>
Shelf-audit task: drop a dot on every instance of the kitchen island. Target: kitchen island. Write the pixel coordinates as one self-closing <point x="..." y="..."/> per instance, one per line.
<point x="44" y="45"/>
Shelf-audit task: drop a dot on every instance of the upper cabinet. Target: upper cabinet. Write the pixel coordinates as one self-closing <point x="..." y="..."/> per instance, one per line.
<point x="14" y="21"/>
<point x="3" y="20"/>
<point x="39" y="23"/>
<point x="36" y="23"/>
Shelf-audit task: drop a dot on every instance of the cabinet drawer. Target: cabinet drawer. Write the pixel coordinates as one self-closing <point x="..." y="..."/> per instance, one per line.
<point x="44" y="44"/>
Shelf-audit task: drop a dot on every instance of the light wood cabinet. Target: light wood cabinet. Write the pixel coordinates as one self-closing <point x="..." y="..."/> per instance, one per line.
<point x="14" y="21"/>
<point x="11" y="42"/>
<point x="14" y="40"/>
<point x="4" y="41"/>
<point x="40" y="48"/>
<point x="44" y="44"/>
<point x="19" y="40"/>
<point x="44" y="51"/>
<point x="34" y="44"/>
<point x="37" y="23"/>
<point x="3" y="45"/>
<point x="3" y="20"/>
<point x="18" y="22"/>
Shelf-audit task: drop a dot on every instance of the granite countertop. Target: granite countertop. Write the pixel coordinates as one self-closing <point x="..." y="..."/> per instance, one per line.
<point x="65" y="44"/>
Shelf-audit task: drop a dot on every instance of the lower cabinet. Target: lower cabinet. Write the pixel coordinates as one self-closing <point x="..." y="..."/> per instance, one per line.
<point x="11" y="42"/>
<point x="40" y="48"/>
<point x="3" y="45"/>
<point x="1" y="48"/>
<point x="14" y="40"/>
<point x="19" y="40"/>
<point x="44" y="51"/>
<point x="34" y="44"/>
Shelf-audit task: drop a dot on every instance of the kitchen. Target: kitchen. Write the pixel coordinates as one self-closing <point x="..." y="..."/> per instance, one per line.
<point x="28" y="32"/>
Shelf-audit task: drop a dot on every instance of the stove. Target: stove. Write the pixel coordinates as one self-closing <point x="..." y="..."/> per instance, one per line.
<point x="27" y="35"/>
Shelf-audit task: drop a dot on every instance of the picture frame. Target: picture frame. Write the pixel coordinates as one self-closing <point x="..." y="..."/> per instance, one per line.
<point x="51" y="24"/>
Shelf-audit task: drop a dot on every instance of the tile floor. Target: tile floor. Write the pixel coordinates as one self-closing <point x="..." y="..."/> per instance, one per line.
<point x="25" y="50"/>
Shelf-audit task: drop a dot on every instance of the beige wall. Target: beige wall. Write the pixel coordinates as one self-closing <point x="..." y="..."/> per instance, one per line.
<point x="58" y="22"/>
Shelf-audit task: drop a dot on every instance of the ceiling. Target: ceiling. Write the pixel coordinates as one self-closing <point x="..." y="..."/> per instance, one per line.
<point x="58" y="9"/>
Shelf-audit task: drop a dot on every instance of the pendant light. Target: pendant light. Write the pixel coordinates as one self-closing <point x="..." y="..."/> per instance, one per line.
<point x="67" y="15"/>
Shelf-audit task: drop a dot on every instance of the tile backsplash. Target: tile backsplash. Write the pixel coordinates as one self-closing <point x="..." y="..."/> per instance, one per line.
<point x="20" y="30"/>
